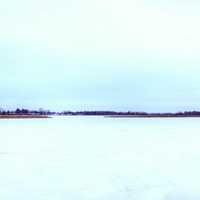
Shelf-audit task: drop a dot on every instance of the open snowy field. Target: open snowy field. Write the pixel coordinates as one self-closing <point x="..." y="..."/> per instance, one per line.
<point x="96" y="158"/>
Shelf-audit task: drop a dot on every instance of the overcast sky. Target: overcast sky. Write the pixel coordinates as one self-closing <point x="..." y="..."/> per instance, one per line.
<point x="139" y="55"/>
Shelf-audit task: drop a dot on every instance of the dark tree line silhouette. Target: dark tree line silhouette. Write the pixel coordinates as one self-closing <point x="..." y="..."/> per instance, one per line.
<point x="23" y="111"/>
<point x="41" y="111"/>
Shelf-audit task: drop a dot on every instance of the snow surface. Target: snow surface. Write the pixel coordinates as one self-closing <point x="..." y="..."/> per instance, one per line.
<point x="96" y="158"/>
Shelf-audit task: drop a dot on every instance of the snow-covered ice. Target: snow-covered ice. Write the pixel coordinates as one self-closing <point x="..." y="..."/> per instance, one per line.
<point x="96" y="158"/>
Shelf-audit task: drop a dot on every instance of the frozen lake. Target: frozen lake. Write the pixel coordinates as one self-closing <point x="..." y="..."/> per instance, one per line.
<point x="96" y="158"/>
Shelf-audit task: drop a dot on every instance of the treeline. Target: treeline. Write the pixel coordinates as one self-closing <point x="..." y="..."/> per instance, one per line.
<point x="41" y="111"/>
<point x="24" y="111"/>
<point x="114" y="113"/>
<point x="93" y="113"/>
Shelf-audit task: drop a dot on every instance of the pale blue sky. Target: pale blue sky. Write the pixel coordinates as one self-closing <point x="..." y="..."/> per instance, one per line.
<point x="105" y="55"/>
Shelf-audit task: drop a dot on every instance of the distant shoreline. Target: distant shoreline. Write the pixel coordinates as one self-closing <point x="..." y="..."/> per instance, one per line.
<point x="152" y="116"/>
<point x="41" y="113"/>
<point x="24" y="116"/>
<point x="106" y="116"/>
